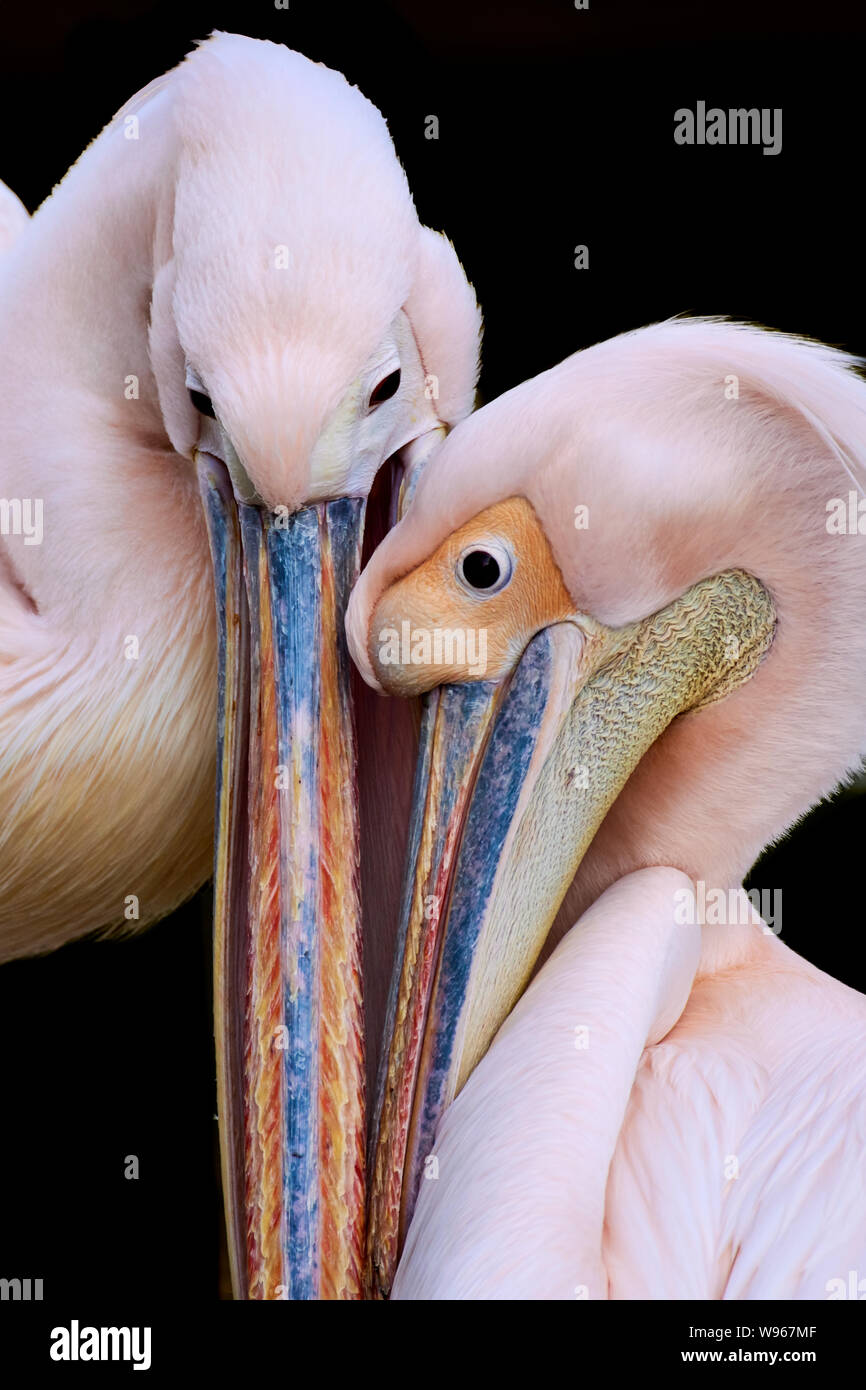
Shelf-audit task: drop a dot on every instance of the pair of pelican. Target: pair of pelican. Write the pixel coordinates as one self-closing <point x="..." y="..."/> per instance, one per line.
<point x="229" y="300"/>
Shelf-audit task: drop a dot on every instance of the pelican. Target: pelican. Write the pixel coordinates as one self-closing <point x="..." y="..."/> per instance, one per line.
<point x="229" y="294"/>
<point x="655" y="542"/>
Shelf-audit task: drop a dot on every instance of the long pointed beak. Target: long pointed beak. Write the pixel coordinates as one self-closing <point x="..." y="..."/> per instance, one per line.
<point x="513" y="780"/>
<point x="287" y="948"/>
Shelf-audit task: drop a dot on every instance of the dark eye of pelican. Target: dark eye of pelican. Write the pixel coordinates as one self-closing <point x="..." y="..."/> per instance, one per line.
<point x="484" y="569"/>
<point x="387" y="388"/>
<point x="203" y="404"/>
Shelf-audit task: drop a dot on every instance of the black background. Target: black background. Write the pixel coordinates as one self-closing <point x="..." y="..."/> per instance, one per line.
<point x="556" y="128"/>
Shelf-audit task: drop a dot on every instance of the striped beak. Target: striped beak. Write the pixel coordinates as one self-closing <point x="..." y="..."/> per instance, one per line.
<point x="287" y="930"/>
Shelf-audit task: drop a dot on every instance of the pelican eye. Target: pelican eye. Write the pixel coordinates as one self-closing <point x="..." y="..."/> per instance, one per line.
<point x="484" y="569"/>
<point x="202" y="403"/>
<point x="388" y="387"/>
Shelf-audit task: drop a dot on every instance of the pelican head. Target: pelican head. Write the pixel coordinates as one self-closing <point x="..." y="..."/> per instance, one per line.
<point x="303" y="304"/>
<point x="667" y="666"/>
